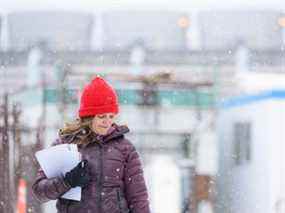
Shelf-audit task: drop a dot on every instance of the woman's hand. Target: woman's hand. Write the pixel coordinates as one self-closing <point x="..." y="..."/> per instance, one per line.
<point x="79" y="175"/>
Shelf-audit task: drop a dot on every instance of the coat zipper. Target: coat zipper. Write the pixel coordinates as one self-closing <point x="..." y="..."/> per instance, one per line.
<point x="67" y="206"/>
<point x="100" y="178"/>
<point x="119" y="200"/>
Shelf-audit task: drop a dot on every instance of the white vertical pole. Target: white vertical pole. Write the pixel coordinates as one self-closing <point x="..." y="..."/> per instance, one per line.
<point x="193" y="33"/>
<point x="4" y="37"/>
<point x="97" y="37"/>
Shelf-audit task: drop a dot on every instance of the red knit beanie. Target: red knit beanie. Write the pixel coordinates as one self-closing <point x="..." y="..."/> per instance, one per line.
<point x="98" y="97"/>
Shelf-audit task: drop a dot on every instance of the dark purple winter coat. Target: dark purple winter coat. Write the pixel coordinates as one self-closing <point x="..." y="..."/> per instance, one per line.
<point x="117" y="184"/>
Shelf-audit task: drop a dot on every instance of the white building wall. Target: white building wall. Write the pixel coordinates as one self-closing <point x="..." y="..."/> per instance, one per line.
<point x="279" y="204"/>
<point x="224" y="157"/>
<point x="276" y="147"/>
<point x="245" y="188"/>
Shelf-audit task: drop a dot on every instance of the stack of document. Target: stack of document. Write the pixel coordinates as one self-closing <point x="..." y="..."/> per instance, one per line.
<point x="57" y="160"/>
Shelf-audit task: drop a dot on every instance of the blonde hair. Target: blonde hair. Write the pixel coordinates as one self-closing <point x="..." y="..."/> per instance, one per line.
<point x="77" y="131"/>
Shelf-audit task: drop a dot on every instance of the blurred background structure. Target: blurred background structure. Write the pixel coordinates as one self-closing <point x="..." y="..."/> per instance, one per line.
<point x="175" y="73"/>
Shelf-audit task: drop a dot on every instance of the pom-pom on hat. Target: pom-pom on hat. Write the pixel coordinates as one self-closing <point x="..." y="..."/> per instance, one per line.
<point x="98" y="97"/>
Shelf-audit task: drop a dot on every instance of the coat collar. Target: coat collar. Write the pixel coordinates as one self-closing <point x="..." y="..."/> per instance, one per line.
<point x="116" y="131"/>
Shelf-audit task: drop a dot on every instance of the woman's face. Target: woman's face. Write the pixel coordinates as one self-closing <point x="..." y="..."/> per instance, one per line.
<point x="102" y="122"/>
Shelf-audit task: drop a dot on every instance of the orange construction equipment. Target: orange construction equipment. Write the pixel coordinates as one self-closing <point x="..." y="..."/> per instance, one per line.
<point x="22" y="200"/>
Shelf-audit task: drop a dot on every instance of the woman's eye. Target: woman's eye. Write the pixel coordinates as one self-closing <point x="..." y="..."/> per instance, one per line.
<point x="106" y="116"/>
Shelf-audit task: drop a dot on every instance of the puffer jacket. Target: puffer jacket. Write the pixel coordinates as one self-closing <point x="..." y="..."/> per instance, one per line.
<point x="117" y="183"/>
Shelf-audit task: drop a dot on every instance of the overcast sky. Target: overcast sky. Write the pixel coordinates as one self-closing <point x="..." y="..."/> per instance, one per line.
<point x="93" y="5"/>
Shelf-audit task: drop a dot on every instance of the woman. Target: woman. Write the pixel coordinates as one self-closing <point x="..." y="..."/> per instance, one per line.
<point x="112" y="179"/>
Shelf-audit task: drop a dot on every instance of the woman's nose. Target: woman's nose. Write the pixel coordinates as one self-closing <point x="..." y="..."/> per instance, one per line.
<point x="107" y="120"/>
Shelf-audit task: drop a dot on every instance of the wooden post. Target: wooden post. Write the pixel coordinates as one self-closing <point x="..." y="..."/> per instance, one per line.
<point x="7" y="198"/>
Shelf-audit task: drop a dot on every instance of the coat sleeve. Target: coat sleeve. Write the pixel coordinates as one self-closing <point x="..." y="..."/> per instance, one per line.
<point x="45" y="189"/>
<point x="135" y="186"/>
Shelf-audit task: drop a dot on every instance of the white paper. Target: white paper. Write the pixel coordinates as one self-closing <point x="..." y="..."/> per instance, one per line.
<point x="57" y="160"/>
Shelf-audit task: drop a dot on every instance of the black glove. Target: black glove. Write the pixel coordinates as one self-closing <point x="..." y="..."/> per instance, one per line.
<point x="79" y="175"/>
